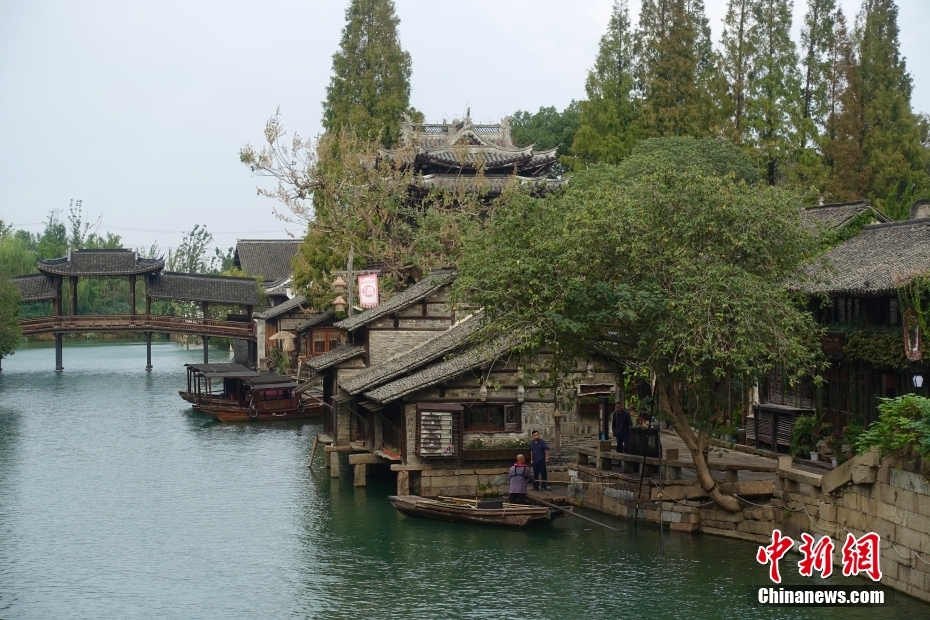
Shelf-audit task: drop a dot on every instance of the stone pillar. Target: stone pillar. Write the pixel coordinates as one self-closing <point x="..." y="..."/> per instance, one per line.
<point x="58" y="354"/>
<point x="361" y="472"/>
<point x="333" y="464"/>
<point x="403" y="483"/>
<point x="148" y="351"/>
<point x="206" y="350"/>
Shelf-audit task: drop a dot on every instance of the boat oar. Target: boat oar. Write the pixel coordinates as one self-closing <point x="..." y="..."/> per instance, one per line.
<point x="569" y="512"/>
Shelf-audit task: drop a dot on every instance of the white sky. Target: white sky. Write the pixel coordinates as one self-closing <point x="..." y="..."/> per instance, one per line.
<point x="140" y="108"/>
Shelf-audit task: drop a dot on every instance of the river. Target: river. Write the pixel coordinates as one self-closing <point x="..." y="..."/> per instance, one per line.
<point x="117" y="501"/>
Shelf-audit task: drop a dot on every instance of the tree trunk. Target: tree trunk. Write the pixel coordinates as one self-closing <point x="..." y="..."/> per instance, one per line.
<point x="695" y="443"/>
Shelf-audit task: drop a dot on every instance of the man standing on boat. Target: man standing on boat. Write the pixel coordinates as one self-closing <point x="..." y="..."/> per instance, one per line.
<point x="539" y="456"/>
<point x="520" y="475"/>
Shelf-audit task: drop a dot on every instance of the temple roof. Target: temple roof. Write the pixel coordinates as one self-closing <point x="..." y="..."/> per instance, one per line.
<point x="268" y="258"/>
<point x="101" y="263"/>
<point x="463" y="146"/>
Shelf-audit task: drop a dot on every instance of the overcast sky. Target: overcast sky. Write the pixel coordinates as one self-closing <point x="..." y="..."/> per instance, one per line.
<point x="140" y="108"/>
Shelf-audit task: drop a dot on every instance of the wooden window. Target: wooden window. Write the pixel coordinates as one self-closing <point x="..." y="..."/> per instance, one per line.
<point x="492" y="417"/>
<point x="319" y="342"/>
<point x="326" y="339"/>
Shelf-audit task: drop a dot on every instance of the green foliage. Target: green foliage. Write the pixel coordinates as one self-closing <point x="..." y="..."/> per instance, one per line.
<point x="881" y="348"/>
<point x="479" y="443"/>
<point x="369" y="91"/>
<point x="817" y="41"/>
<point x="902" y="428"/>
<point x="16" y="257"/>
<point x="709" y="156"/>
<point x="807" y="431"/>
<point x="279" y="361"/>
<point x="10" y="334"/>
<point x="193" y="255"/>
<point x="737" y="51"/>
<point x="686" y="277"/>
<point x="677" y="70"/>
<point x="547" y="128"/>
<point x="606" y="131"/>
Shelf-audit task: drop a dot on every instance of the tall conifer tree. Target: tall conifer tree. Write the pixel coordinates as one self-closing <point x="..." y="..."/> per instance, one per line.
<point x="674" y="74"/>
<point x="607" y="131"/>
<point x="817" y="35"/>
<point x="771" y="108"/>
<point x="895" y="158"/>
<point x="370" y="88"/>
<point x="737" y="54"/>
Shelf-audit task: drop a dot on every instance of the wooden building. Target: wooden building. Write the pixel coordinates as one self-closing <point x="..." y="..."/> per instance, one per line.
<point x="412" y="388"/>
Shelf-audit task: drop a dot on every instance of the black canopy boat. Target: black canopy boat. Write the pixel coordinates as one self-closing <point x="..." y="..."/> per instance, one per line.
<point x="234" y="393"/>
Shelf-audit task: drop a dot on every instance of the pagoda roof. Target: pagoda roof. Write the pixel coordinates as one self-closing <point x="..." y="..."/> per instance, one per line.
<point x="35" y="287"/>
<point x="101" y="263"/>
<point x="202" y="287"/>
<point x="466" y="146"/>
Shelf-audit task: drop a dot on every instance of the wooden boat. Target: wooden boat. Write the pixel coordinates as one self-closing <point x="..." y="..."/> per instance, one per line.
<point x="466" y="511"/>
<point x="234" y="393"/>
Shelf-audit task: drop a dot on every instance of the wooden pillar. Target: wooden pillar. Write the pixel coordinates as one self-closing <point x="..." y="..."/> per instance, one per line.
<point x="148" y="355"/>
<point x="58" y="354"/>
<point x="206" y="351"/>
<point x="73" y="281"/>
<point x="58" y="295"/>
<point x="206" y="309"/>
<point x="148" y="299"/>
<point x="132" y="295"/>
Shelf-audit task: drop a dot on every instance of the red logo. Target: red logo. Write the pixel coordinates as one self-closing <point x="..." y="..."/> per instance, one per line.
<point x="861" y="555"/>
<point x="773" y="553"/>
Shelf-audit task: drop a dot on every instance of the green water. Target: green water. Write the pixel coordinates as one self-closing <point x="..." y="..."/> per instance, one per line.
<point x="117" y="501"/>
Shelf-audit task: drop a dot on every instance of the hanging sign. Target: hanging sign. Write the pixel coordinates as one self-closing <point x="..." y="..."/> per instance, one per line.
<point x="368" y="290"/>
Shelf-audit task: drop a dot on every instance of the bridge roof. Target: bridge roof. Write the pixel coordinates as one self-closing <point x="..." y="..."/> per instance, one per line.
<point x="35" y="287"/>
<point x="199" y="287"/>
<point x="101" y="263"/>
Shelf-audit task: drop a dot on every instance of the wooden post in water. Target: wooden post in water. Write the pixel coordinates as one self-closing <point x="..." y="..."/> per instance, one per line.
<point x="148" y="351"/>
<point x="206" y="351"/>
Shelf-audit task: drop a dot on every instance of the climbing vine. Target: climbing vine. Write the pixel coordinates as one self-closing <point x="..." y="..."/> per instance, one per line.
<point x="881" y="348"/>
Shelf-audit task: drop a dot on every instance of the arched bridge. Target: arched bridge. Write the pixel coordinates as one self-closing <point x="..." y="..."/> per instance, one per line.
<point x="49" y="285"/>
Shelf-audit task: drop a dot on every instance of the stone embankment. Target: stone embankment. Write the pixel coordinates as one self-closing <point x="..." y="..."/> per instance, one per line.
<point x="865" y="494"/>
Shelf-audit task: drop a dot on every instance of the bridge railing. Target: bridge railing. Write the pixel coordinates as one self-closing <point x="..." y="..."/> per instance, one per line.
<point x="137" y="323"/>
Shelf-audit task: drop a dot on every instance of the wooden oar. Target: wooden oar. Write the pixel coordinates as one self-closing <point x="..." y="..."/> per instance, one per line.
<point x="566" y="511"/>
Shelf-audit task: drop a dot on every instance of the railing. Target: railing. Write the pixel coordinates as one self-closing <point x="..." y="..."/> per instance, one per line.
<point x="137" y="323"/>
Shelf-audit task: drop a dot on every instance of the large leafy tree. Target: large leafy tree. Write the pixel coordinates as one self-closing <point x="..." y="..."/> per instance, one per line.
<point x="10" y="333"/>
<point x="771" y="107"/>
<point x="672" y="267"/>
<point x="547" y="128"/>
<point x="369" y="91"/>
<point x="607" y="130"/>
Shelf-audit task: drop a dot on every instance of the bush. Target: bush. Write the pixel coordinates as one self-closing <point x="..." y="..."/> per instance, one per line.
<point x="806" y="432"/>
<point x="902" y="428"/>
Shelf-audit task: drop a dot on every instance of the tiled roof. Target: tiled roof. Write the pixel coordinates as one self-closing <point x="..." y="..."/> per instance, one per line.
<point x="268" y="258"/>
<point x="431" y="375"/>
<point x="429" y="351"/>
<point x="101" y="263"/>
<point x="422" y="289"/>
<point x="334" y="356"/>
<point x="199" y="287"/>
<point x="833" y="216"/>
<point x="875" y="262"/>
<point x="278" y="287"/>
<point x="273" y="311"/>
<point x="314" y="320"/>
<point x="35" y="287"/>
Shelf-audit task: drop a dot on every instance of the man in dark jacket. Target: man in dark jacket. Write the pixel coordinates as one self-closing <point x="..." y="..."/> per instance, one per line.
<point x="620" y="424"/>
<point x="539" y="456"/>
<point x="520" y="475"/>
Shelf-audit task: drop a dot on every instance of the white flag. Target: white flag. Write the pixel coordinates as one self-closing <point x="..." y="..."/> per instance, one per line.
<point x="368" y="290"/>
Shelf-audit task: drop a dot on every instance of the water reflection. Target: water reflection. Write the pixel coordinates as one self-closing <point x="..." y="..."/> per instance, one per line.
<point x="116" y="500"/>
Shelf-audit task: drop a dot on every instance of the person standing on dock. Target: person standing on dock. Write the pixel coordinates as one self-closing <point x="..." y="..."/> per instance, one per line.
<point x="620" y="425"/>
<point x="539" y="456"/>
<point x="520" y="476"/>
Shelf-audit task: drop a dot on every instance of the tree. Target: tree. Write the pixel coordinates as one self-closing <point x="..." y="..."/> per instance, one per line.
<point x="771" y="106"/>
<point x="817" y="42"/>
<point x="369" y="91"/>
<point x="547" y="128"/>
<point x="53" y="242"/>
<point x="737" y="53"/>
<point x="352" y="195"/>
<point x="675" y="73"/>
<point x="606" y="129"/>
<point x="193" y="255"/>
<point x="687" y="280"/>
<point x="10" y="333"/>
<point x="81" y="230"/>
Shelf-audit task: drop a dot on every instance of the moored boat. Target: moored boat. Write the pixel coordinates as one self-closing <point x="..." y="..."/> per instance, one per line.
<point x="464" y="511"/>
<point x="234" y="393"/>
